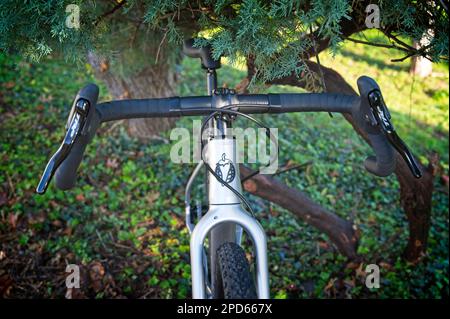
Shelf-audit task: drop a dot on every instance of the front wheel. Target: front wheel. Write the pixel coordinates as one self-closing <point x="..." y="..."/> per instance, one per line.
<point x="233" y="277"/>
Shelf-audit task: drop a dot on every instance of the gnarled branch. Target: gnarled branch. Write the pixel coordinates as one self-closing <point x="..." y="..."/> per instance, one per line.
<point x="415" y="194"/>
<point x="340" y="231"/>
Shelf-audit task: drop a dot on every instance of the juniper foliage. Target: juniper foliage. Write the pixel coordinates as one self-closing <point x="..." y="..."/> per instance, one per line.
<point x="274" y="33"/>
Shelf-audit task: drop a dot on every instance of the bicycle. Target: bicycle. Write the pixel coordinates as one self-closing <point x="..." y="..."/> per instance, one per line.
<point x="223" y="271"/>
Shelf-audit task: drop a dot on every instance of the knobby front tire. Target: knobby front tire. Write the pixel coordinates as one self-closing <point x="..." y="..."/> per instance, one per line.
<point x="233" y="277"/>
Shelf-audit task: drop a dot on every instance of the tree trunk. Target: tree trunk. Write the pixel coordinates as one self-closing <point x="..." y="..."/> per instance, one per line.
<point x="420" y="66"/>
<point x="415" y="198"/>
<point x="415" y="194"/>
<point x="152" y="81"/>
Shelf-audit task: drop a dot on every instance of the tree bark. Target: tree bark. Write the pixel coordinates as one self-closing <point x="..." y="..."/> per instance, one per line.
<point x="340" y="231"/>
<point x="152" y="81"/>
<point x="415" y="194"/>
<point x="419" y="65"/>
<point x="415" y="197"/>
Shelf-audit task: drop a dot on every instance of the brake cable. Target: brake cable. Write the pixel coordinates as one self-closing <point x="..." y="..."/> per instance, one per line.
<point x="227" y="110"/>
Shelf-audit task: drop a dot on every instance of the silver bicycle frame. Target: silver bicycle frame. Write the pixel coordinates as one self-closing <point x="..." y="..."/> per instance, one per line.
<point x="224" y="208"/>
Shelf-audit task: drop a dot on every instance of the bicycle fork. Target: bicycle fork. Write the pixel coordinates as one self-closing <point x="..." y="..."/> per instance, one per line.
<point x="225" y="209"/>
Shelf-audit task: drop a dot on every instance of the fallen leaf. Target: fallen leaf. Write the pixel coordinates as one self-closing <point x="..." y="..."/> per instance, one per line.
<point x="330" y="285"/>
<point x="53" y="203"/>
<point x="152" y="196"/>
<point x="13" y="220"/>
<point x="96" y="274"/>
<point x="3" y="199"/>
<point x="323" y="245"/>
<point x="445" y="180"/>
<point x="385" y="265"/>
<point x="9" y="85"/>
<point x="112" y="163"/>
<point x="5" y="285"/>
<point x="360" y="273"/>
<point x="353" y="265"/>
<point x="74" y="293"/>
<point x="57" y="223"/>
<point x="334" y="173"/>
<point x="68" y="231"/>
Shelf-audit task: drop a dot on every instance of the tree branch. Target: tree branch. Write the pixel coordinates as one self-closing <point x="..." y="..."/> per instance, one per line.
<point x="348" y="27"/>
<point x="380" y="45"/>
<point x="398" y="41"/>
<point x="403" y="58"/>
<point x="110" y="12"/>
<point x="340" y="231"/>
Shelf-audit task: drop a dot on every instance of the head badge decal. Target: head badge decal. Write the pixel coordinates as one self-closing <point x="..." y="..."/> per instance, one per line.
<point x="225" y="169"/>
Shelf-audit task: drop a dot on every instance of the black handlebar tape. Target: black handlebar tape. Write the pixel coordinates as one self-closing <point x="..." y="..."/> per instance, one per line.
<point x="145" y="108"/>
<point x="383" y="163"/>
<point x="66" y="174"/>
<point x="202" y="105"/>
<point x="313" y="102"/>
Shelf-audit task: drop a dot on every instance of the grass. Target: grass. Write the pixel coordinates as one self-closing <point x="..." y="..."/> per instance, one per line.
<point x="126" y="212"/>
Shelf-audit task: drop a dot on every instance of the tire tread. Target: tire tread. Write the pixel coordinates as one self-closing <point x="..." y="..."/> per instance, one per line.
<point x="237" y="282"/>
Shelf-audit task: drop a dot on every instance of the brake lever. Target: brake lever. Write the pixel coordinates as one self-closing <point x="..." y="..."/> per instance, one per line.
<point x="77" y="119"/>
<point x="383" y="117"/>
